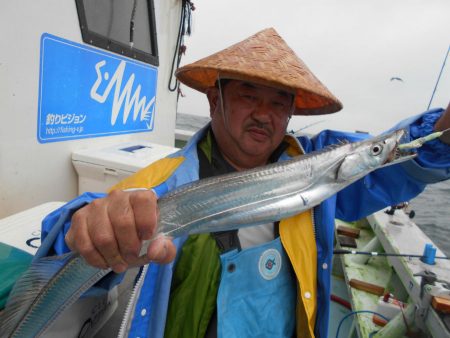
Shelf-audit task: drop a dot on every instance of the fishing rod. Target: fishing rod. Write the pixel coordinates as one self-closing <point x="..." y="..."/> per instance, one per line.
<point x="306" y="127"/>
<point x="388" y="254"/>
<point x="439" y="77"/>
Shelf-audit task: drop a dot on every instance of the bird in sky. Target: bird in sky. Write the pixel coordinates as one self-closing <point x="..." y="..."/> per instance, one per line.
<point x="396" y="79"/>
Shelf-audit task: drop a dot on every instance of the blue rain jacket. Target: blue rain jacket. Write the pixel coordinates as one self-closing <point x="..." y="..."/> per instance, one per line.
<point x="381" y="188"/>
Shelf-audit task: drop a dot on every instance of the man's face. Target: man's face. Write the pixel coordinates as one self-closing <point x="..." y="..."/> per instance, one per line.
<point x="253" y="123"/>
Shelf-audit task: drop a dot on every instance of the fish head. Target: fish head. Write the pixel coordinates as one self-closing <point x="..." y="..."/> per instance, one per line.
<point x="372" y="154"/>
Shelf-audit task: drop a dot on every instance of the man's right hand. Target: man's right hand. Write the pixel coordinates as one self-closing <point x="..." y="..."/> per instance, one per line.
<point x="109" y="231"/>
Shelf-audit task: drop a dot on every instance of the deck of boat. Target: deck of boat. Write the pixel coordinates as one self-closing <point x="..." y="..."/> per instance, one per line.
<point x="395" y="234"/>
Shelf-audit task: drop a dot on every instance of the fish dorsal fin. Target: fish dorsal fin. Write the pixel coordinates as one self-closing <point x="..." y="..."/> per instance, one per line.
<point x="328" y="148"/>
<point x="30" y="285"/>
<point x="342" y="141"/>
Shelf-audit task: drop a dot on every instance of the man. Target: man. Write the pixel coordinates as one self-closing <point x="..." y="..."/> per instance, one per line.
<point x="220" y="284"/>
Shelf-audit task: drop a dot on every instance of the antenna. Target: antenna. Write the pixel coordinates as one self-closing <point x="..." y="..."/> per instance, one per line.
<point x="306" y="127"/>
<point x="439" y="77"/>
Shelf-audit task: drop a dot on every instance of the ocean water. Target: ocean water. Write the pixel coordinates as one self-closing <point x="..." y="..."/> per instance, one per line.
<point x="191" y="122"/>
<point x="432" y="209"/>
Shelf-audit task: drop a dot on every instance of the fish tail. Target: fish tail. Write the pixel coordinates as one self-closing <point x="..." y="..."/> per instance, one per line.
<point x="27" y="289"/>
<point x="49" y="286"/>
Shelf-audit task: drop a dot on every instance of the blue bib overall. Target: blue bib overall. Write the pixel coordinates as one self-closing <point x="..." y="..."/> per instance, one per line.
<point x="257" y="293"/>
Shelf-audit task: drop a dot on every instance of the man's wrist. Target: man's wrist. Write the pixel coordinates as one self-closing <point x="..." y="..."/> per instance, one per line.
<point x="443" y="124"/>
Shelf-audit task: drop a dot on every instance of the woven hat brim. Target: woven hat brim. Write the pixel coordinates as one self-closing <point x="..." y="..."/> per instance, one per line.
<point x="266" y="59"/>
<point x="306" y="102"/>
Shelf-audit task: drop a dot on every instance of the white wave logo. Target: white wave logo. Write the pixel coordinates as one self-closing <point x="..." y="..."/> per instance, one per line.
<point x="141" y="108"/>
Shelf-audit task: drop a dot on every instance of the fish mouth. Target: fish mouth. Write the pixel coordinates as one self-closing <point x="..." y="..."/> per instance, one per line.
<point x="398" y="155"/>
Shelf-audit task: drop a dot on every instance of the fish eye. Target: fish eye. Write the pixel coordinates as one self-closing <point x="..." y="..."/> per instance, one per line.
<point x="376" y="149"/>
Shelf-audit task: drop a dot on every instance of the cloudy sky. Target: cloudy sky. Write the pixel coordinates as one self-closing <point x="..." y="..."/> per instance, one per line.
<point x="354" y="47"/>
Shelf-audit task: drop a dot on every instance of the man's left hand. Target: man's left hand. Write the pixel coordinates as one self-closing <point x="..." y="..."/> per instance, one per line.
<point x="442" y="124"/>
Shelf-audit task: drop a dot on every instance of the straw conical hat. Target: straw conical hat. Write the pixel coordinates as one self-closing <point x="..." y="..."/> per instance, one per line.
<point x="263" y="58"/>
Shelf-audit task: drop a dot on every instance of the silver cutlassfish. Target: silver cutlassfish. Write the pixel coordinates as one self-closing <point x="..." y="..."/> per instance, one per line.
<point x="220" y="203"/>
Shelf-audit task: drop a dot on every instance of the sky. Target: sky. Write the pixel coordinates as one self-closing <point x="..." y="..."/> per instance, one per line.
<point x="354" y="47"/>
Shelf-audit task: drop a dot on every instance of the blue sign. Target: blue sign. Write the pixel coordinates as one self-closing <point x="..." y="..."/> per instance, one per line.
<point x="85" y="92"/>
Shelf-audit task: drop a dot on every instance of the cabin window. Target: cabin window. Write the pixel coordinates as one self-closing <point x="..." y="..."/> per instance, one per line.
<point x="124" y="27"/>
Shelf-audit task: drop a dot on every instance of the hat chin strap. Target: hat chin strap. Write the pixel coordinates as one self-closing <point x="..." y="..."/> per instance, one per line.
<point x="222" y="106"/>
